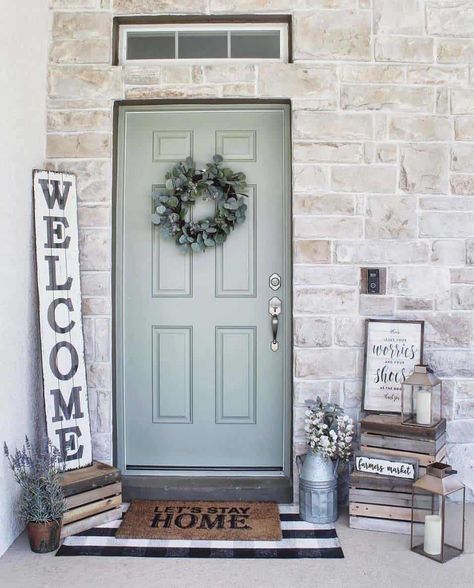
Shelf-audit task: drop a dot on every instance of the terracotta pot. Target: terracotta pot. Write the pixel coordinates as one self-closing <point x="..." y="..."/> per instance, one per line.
<point x="44" y="537"/>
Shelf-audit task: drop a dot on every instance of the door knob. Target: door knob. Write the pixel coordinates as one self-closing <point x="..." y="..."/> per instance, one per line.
<point x="274" y="309"/>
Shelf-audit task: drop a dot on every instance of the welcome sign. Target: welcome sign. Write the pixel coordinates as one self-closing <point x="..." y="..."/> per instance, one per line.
<point x="62" y="341"/>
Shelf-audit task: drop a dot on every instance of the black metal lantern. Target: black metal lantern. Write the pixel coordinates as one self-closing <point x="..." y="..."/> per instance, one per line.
<point x="437" y="514"/>
<point x="422" y="398"/>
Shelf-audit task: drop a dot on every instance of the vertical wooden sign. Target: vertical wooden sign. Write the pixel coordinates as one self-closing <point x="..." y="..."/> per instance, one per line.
<point x="62" y="341"/>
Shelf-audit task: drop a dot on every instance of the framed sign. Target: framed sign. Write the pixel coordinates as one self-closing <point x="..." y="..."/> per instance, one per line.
<point x="62" y="341"/>
<point x="392" y="349"/>
<point x="371" y="463"/>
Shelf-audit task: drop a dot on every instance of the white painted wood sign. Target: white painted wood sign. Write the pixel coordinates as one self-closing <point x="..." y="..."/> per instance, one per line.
<point x="394" y="468"/>
<point x="62" y="341"/>
<point x="393" y="348"/>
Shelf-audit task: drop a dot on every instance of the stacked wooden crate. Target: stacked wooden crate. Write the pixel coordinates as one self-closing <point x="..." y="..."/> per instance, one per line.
<point x="93" y="497"/>
<point x="380" y="503"/>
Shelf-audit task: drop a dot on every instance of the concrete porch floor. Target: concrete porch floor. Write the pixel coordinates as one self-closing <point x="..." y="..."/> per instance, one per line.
<point x="378" y="560"/>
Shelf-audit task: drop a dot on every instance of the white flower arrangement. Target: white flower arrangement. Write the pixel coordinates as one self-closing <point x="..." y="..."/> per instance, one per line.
<point x="329" y="431"/>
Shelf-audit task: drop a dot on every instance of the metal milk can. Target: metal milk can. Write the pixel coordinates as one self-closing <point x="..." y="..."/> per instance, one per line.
<point x="318" y="488"/>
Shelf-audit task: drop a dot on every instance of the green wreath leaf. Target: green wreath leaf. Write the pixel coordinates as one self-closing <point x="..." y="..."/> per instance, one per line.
<point x="183" y="184"/>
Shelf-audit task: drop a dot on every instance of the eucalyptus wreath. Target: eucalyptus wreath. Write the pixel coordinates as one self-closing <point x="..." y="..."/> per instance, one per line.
<point x="184" y="184"/>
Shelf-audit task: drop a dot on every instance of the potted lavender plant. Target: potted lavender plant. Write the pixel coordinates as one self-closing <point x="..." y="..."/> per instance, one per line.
<point x="329" y="434"/>
<point x="37" y="471"/>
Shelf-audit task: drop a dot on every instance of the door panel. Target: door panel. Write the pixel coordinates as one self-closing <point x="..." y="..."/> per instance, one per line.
<point x="199" y="384"/>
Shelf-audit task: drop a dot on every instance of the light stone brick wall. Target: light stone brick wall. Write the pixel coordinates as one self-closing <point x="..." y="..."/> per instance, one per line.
<point x="382" y="96"/>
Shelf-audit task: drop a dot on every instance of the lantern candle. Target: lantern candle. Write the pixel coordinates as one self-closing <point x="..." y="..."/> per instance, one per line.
<point x="432" y="543"/>
<point x="423" y="407"/>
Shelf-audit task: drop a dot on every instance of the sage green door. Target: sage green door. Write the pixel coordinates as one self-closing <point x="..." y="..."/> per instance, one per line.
<point x="199" y="386"/>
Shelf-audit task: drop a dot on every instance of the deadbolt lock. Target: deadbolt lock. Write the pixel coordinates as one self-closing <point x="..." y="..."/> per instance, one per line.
<point x="274" y="281"/>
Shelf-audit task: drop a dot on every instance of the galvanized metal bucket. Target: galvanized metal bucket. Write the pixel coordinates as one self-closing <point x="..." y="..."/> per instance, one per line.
<point x="318" y="488"/>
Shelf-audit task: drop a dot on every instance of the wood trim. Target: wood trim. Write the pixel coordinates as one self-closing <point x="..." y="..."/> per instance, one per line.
<point x="93" y="495"/>
<point x="119" y="21"/>
<point x="88" y="510"/>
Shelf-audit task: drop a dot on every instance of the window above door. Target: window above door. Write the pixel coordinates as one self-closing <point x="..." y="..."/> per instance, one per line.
<point x="145" y="42"/>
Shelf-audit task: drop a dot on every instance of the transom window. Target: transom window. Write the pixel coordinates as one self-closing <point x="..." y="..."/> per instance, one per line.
<point x="198" y="42"/>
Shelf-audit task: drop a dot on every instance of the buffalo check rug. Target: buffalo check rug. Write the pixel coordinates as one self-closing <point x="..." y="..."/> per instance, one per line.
<point x="299" y="540"/>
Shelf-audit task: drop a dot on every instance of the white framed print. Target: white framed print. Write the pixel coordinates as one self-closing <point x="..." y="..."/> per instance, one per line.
<point x="392" y="349"/>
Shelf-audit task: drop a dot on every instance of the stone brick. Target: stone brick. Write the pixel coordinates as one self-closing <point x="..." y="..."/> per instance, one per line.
<point x="324" y="275"/>
<point x="281" y="79"/>
<point x="349" y="331"/>
<point x="312" y="251"/>
<point x="180" y="91"/>
<point x="102" y="445"/>
<point x="175" y="74"/>
<point x="455" y="50"/>
<point x="369" y="178"/>
<point x="373" y="305"/>
<point x="81" y="25"/>
<point x="79" y="145"/>
<point x="460" y="456"/>
<point x="353" y="394"/>
<point x="460" y="431"/>
<point x="218" y="74"/>
<point x="421" y="282"/>
<point x="81" y="51"/>
<point x="102" y="339"/>
<point x="465" y="390"/>
<point x="324" y="204"/>
<point x="335" y="34"/>
<point x="306" y="392"/>
<point x="331" y="227"/>
<point x="315" y="300"/>
<point x="372" y="73"/>
<point x="320" y="364"/>
<point x="328" y="152"/>
<point x="239" y="90"/>
<point x="101" y="403"/>
<point x="381" y="252"/>
<point x="98" y="306"/>
<point x="390" y="217"/>
<point x="462" y="184"/>
<point x="248" y="6"/>
<point x="142" y="74"/>
<point x="328" y="126"/>
<point x="73" y="4"/>
<point x="450" y="18"/>
<point x="464" y="128"/>
<point x="462" y="296"/>
<point x="462" y="101"/>
<point x="448" y="252"/>
<point x="394" y="98"/>
<point x="73" y="81"/>
<point x="452" y="225"/>
<point x="442" y="100"/>
<point x="94" y="216"/>
<point x="99" y="375"/>
<point x="423" y="168"/>
<point x="309" y="178"/>
<point x="94" y="179"/>
<point x="95" y="249"/>
<point x="95" y="283"/>
<point x="408" y="49"/>
<point x="159" y="6"/>
<point x="88" y="331"/>
<point x="386" y="153"/>
<point x="448" y="329"/>
<point x="462" y="158"/>
<point x="312" y="332"/>
<point x="437" y="74"/>
<point x="410" y="303"/>
<point x="404" y="17"/>
<point x="470" y="252"/>
<point x="464" y="275"/>
<point x="79" y="120"/>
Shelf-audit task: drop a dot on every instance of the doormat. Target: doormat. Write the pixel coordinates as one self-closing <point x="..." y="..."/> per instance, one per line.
<point x="224" y="521"/>
<point x="299" y="540"/>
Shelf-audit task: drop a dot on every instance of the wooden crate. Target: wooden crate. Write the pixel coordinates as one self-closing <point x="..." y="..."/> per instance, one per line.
<point x="386" y="435"/>
<point x="379" y="503"/>
<point x="93" y="497"/>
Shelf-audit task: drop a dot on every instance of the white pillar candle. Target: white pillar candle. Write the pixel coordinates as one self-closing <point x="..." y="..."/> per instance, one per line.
<point x="432" y="543"/>
<point x="423" y="407"/>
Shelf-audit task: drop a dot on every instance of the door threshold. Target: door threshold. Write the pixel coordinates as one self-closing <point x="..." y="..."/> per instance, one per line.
<point x="262" y="488"/>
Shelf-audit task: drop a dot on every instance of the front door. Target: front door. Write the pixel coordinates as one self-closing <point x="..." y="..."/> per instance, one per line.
<point x="199" y="385"/>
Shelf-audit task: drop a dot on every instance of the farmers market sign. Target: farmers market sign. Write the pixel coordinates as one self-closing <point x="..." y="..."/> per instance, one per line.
<point x="62" y="341"/>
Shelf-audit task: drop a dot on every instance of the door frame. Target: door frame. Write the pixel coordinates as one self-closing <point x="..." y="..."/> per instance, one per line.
<point x="118" y="416"/>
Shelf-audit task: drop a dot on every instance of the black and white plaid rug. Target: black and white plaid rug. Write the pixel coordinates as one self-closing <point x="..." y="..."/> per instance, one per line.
<point x="300" y="540"/>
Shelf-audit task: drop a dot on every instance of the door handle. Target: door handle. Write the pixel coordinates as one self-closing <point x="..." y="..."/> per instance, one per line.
<point x="274" y="308"/>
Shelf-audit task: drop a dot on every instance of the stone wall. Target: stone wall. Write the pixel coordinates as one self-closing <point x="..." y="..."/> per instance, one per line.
<point x="383" y="161"/>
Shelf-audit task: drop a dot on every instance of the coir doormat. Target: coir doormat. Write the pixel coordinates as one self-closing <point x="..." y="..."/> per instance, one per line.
<point x="300" y="540"/>
<point x="224" y="521"/>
